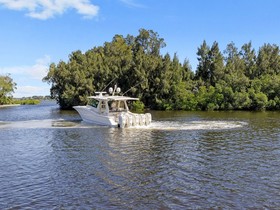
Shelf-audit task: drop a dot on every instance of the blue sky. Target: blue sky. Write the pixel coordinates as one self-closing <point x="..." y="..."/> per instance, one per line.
<point x="35" y="33"/>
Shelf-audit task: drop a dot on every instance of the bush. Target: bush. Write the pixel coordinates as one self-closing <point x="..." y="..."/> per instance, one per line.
<point x="138" y="106"/>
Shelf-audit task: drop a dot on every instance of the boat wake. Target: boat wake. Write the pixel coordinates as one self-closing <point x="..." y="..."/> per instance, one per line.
<point x="48" y="123"/>
<point x="195" y="125"/>
<point x="155" y="125"/>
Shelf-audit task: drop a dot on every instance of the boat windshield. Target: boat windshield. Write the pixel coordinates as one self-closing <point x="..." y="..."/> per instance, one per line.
<point x="93" y="102"/>
<point x="116" y="106"/>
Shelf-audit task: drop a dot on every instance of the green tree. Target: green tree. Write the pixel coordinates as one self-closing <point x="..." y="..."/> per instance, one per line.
<point x="232" y="80"/>
<point x="188" y="74"/>
<point x="248" y="56"/>
<point x="146" y="69"/>
<point x="268" y="60"/>
<point x="216" y="64"/>
<point x="235" y="69"/>
<point x="203" y="68"/>
<point x="118" y="58"/>
<point x="270" y="86"/>
<point x="7" y="87"/>
<point x="130" y="62"/>
<point x="182" y="99"/>
<point x="258" y="99"/>
<point x="210" y="63"/>
<point x="241" y="101"/>
<point x="149" y="41"/>
<point x="207" y="98"/>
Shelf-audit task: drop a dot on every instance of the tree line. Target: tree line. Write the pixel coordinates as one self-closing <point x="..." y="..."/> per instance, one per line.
<point x="235" y="79"/>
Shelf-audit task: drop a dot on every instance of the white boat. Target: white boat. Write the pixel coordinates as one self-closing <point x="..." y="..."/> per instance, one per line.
<point x="111" y="110"/>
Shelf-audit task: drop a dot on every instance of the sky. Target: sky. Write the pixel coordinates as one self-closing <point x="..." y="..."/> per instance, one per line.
<point x="36" y="33"/>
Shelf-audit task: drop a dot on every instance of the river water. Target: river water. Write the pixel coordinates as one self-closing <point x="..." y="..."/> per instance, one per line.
<point x="184" y="160"/>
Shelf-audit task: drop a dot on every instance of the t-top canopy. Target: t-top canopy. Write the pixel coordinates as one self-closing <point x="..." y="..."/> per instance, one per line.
<point x="113" y="98"/>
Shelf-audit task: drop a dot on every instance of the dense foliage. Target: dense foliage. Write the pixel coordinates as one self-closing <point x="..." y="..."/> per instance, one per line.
<point x="232" y="79"/>
<point x="7" y="87"/>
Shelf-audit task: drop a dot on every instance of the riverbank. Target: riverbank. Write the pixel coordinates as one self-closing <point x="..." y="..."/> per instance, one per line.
<point x="8" y="105"/>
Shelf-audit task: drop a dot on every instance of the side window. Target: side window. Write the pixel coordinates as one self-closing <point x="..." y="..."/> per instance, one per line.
<point x="121" y="105"/>
<point x="93" y="103"/>
<point x="112" y="105"/>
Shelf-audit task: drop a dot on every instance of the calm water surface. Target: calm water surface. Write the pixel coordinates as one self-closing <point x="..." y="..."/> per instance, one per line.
<point x="184" y="160"/>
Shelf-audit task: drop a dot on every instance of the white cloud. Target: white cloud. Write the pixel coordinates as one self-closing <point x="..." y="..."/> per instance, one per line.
<point x="29" y="91"/>
<point x="44" y="9"/>
<point x="132" y="3"/>
<point x="29" y="78"/>
<point x="36" y="71"/>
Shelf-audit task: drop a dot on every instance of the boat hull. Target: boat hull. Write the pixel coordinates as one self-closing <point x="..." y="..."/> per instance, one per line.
<point x="114" y="119"/>
<point x="89" y="115"/>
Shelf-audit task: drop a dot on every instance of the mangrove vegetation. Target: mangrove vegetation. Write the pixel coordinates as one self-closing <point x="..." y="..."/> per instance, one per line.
<point x="232" y="79"/>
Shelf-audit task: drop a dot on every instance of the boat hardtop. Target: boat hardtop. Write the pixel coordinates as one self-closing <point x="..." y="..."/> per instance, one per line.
<point x="107" y="97"/>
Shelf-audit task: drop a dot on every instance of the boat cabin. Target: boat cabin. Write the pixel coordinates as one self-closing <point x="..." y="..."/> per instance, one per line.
<point x="106" y="104"/>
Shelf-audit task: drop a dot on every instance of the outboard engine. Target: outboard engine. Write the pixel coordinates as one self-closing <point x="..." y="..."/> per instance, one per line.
<point x="129" y="120"/>
<point x="122" y="120"/>
<point x="137" y="119"/>
<point x="142" y="119"/>
<point x="148" y="118"/>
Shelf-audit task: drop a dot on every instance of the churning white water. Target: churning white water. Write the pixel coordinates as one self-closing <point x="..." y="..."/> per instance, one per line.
<point x="155" y="125"/>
